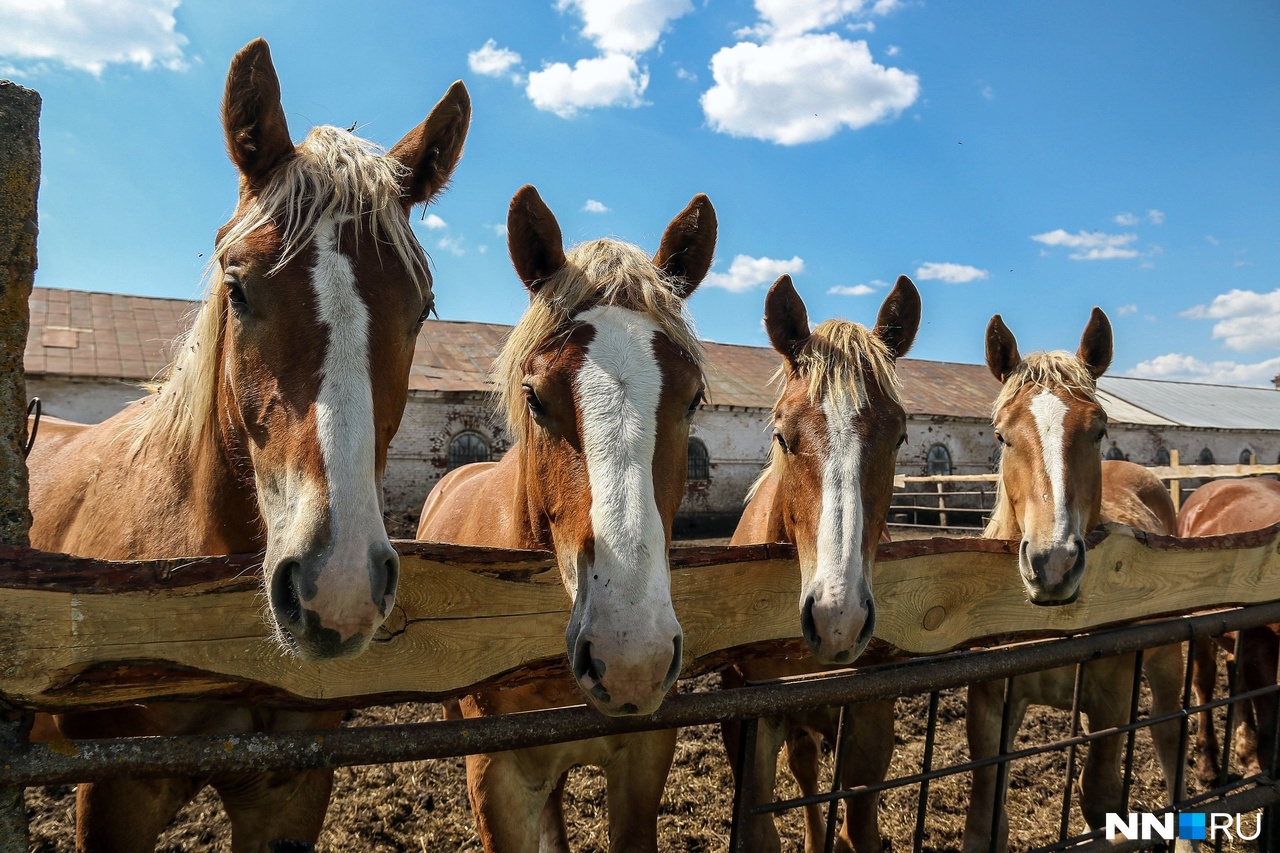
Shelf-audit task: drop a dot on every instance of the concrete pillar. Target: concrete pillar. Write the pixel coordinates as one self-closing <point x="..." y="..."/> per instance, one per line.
<point x="19" y="183"/>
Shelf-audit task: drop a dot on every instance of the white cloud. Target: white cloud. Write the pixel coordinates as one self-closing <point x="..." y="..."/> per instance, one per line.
<point x="605" y="81"/>
<point x="988" y="92"/>
<point x="1126" y="310"/>
<point x="1187" y="368"/>
<point x="499" y="228"/>
<point x="793" y="17"/>
<point x="747" y="272"/>
<point x="802" y="89"/>
<point x="89" y="35"/>
<point x="1213" y="241"/>
<point x="1247" y="321"/>
<point x="854" y="290"/>
<point x="625" y="26"/>
<point x="1155" y="217"/>
<point x="950" y="273"/>
<point x="892" y="50"/>
<point x="1128" y="220"/>
<point x="683" y="74"/>
<point x="453" y="245"/>
<point x="494" y="61"/>
<point x="433" y="222"/>
<point x="593" y="206"/>
<point x="1090" y="246"/>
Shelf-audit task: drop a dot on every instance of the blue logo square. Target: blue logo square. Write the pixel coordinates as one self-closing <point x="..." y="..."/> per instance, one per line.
<point x="1191" y="826"/>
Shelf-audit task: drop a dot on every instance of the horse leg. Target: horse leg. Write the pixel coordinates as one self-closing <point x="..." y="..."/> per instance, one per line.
<point x="982" y="726"/>
<point x="1261" y="650"/>
<point x="803" y="757"/>
<point x="553" y="834"/>
<point x="506" y="801"/>
<point x="267" y="807"/>
<point x="634" y="780"/>
<point x="869" y="750"/>
<point x="762" y="834"/>
<point x="128" y="815"/>
<point x="1164" y="668"/>
<point x="1204" y="676"/>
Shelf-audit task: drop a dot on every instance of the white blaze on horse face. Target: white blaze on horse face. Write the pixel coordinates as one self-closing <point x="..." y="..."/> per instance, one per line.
<point x="627" y="616"/>
<point x="1050" y="415"/>
<point x="345" y="586"/>
<point x="841" y="585"/>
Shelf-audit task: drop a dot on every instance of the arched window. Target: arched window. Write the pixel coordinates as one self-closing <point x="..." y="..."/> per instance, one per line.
<point x="1206" y="457"/>
<point x="1246" y="457"/>
<point x="467" y="447"/>
<point x="1113" y="452"/>
<point x="1162" y="456"/>
<point x="938" y="462"/>
<point x="699" y="461"/>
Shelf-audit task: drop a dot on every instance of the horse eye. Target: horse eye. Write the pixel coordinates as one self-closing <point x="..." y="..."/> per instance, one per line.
<point x="235" y="292"/>
<point x="782" y="442"/>
<point x="1101" y="435"/>
<point x="902" y="440"/>
<point x="427" y="310"/>
<point x="1000" y="439"/>
<point x="697" y="401"/>
<point x="531" y="399"/>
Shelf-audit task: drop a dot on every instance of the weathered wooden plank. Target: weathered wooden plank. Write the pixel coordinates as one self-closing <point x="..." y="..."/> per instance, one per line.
<point x="79" y="634"/>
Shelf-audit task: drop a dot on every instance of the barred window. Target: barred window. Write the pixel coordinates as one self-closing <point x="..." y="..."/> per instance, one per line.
<point x="1246" y="456"/>
<point x="938" y="462"/>
<point x="1162" y="456"/>
<point x="467" y="447"/>
<point x="1113" y="452"/>
<point x="1206" y="457"/>
<point x="699" y="461"/>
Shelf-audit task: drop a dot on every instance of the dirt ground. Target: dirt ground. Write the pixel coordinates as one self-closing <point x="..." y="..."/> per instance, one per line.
<point x="422" y="806"/>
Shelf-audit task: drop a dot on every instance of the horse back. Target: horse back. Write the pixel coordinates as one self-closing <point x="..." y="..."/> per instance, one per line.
<point x="1230" y="506"/>
<point x="472" y="505"/>
<point x="1134" y="496"/>
<point x="754" y="525"/>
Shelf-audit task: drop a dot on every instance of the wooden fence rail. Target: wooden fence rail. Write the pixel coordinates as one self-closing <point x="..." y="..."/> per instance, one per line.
<point x="81" y="633"/>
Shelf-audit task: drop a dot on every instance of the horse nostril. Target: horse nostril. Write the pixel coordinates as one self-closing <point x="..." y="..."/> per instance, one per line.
<point x="391" y="576"/>
<point x="586" y="667"/>
<point x="673" y="671"/>
<point x="869" y="626"/>
<point x="807" y="626"/>
<point x="284" y="592"/>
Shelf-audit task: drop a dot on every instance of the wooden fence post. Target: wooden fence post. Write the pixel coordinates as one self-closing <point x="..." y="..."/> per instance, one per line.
<point x="19" y="184"/>
<point x="1175" y="486"/>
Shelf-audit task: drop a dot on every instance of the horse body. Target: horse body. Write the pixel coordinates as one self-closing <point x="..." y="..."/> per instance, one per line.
<point x="255" y="442"/>
<point x="1055" y="488"/>
<point x="599" y="380"/>
<point x="1235" y="506"/>
<point x="838" y="425"/>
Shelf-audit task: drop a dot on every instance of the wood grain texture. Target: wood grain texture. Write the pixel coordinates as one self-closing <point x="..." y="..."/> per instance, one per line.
<point x="81" y="633"/>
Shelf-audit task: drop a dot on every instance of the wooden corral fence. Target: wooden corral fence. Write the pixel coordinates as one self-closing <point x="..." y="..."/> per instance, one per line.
<point x="964" y="501"/>
<point x="81" y="634"/>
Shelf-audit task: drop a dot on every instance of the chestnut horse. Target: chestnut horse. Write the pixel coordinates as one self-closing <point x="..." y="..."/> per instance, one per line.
<point x="271" y="432"/>
<point x="599" y="381"/>
<point x="838" y="424"/>
<point x="1234" y="506"/>
<point x="1054" y="488"/>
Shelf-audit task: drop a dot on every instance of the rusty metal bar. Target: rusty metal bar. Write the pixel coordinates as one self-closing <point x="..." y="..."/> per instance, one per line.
<point x="1077" y="689"/>
<point x="198" y="755"/>
<point x="837" y="776"/>
<point x="1134" y="696"/>
<point x="926" y="765"/>
<point x="745" y="779"/>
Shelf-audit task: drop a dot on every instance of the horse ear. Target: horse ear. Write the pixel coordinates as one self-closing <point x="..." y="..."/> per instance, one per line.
<point x="1095" y="344"/>
<point x="432" y="150"/>
<point x="252" y="117"/>
<point x="899" y="317"/>
<point x="533" y="238"/>
<point x="688" y="244"/>
<point x="1002" y="349"/>
<point x="785" y="319"/>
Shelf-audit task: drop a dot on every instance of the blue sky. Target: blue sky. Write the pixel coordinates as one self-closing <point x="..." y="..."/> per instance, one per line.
<point x="1031" y="159"/>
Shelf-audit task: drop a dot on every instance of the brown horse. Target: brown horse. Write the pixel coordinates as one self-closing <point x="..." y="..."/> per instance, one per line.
<point x="271" y="432"/>
<point x="599" y="381"/>
<point x="1234" y="506"/>
<point x="1054" y="488"/>
<point x="838" y="424"/>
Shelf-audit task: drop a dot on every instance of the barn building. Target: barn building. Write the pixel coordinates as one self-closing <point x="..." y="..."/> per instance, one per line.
<point x="88" y="355"/>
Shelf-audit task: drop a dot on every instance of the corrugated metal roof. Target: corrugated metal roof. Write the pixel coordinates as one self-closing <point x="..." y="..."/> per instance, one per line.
<point x="1196" y="405"/>
<point x="77" y="333"/>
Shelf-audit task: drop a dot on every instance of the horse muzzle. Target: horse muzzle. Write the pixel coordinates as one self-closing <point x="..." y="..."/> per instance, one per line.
<point x="627" y="677"/>
<point x="837" y="627"/>
<point x="1052" y="575"/>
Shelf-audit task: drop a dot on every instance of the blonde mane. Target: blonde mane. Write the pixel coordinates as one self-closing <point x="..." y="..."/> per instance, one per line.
<point x="1056" y="369"/>
<point x="599" y="272"/>
<point x="839" y="359"/>
<point x="333" y="175"/>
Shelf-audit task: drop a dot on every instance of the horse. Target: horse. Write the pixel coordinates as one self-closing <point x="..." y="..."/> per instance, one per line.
<point x="1054" y="487"/>
<point x="838" y="424"/>
<point x="269" y="434"/>
<point x="598" y="381"/>
<point x="1235" y="506"/>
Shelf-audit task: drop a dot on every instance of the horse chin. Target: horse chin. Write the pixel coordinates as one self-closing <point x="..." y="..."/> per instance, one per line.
<point x="315" y="644"/>
<point x="1040" y="599"/>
